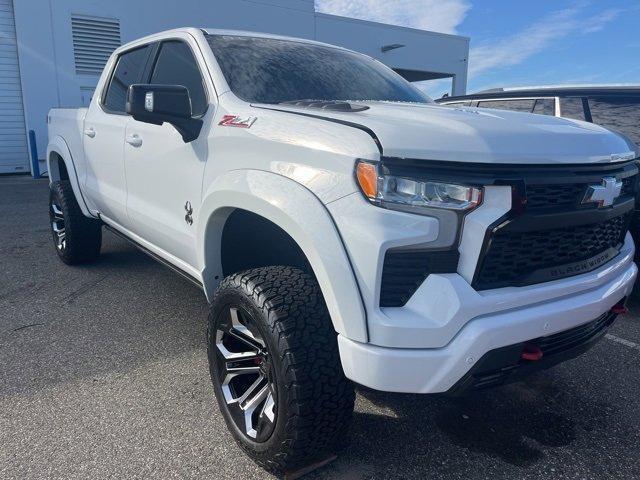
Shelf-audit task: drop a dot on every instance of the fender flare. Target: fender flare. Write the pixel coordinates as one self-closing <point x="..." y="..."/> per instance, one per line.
<point x="58" y="145"/>
<point x="302" y="215"/>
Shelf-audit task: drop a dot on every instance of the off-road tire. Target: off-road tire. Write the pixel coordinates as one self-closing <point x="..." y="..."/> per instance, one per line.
<point x="82" y="235"/>
<point x="314" y="399"/>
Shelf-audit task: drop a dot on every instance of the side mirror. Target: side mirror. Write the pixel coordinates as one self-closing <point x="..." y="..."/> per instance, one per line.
<point x="157" y="104"/>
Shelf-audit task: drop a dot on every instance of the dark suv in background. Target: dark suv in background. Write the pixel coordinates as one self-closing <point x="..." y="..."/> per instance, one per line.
<point x="615" y="107"/>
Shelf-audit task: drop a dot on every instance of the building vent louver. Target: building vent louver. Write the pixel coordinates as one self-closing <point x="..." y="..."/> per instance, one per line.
<point x="94" y="39"/>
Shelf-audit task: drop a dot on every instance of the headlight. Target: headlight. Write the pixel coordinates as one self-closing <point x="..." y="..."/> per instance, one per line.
<point x="396" y="192"/>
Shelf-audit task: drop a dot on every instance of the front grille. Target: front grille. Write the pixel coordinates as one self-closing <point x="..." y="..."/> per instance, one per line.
<point x="548" y="234"/>
<point x="505" y="364"/>
<point x="568" y="195"/>
<point x="404" y="271"/>
<point x="541" y="196"/>
<point x="512" y="257"/>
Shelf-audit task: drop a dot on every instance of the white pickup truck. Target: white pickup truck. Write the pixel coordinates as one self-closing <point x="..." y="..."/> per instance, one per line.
<point x="344" y="227"/>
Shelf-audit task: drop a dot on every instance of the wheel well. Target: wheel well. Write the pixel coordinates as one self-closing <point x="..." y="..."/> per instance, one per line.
<point x="251" y="241"/>
<point x="57" y="167"/>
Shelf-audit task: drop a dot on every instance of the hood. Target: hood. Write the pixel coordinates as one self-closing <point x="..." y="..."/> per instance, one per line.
<point x="465" y="134"/>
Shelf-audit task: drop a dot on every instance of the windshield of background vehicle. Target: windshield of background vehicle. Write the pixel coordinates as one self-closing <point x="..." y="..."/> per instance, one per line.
<point x="269" y="70"/>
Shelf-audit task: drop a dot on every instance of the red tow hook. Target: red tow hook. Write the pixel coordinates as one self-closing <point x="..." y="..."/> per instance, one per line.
<point x="531" y="352"/>
<point x="619" y="309"/>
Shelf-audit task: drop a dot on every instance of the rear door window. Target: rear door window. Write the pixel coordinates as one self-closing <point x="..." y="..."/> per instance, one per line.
<point x="128" y="71"/>
<point x="572" y="107"/>
<point x="517" y="105"/>
<point x="618" y="113"/>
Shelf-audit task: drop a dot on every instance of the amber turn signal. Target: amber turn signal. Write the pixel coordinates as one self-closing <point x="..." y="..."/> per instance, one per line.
<point x="368" y="179"/>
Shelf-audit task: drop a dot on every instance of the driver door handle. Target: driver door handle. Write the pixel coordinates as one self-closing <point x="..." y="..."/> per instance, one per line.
<point x="90" y="132"/>
<point x="134" y="140"/>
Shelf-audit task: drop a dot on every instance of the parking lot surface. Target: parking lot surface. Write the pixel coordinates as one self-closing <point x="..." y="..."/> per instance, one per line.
<point x="103" y="374"/>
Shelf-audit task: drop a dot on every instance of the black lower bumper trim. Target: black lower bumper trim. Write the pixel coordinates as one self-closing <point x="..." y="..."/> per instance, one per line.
<point x="506" y="365"/>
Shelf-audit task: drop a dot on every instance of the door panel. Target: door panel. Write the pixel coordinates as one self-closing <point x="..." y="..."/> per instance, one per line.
<point x="105" y="183"/>
<point x="103" y="137"/>
<point x="164" y="174"/>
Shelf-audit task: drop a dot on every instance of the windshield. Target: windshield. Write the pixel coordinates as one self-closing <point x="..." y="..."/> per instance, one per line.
<point x="268" y="70"/>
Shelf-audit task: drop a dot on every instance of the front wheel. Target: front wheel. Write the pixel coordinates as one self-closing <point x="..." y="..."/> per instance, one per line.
<point x="275" y="367"/>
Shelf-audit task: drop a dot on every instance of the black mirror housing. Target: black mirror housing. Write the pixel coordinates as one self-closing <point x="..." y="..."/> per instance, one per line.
<point x="157" y="104"/>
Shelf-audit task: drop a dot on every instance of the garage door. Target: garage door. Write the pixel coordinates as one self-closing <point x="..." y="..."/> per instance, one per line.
<point x="13" y="140"/>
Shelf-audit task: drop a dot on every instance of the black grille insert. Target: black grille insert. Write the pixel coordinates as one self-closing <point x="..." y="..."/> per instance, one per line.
<point x="513" y="257"/>
<point x="404" y="271"/>
<point x="568" y="195"/>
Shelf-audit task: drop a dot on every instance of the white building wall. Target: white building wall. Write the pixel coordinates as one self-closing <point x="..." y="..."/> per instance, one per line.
<point x="45" y="43"/>
<point x="13" y="140"/>
<point x="421" y="51"/>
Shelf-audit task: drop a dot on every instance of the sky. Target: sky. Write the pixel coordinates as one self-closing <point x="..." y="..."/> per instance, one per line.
<point x="522" y="42"/>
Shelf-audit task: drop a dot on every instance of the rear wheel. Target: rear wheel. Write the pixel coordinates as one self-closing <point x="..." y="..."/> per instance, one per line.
<point x="77" y="239"/>
<point x="275" y="367"/>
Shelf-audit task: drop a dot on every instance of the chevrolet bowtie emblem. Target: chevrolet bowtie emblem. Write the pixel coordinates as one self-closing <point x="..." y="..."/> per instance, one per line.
<point x="605" y="194"/>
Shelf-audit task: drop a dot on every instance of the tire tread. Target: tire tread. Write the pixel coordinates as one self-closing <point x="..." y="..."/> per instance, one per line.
<point x="84" y="235"/>
<point x="320" y="397"/>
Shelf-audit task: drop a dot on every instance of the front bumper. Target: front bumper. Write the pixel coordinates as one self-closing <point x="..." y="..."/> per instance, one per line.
<point x="437" y="370"/>
<point x="514" y="362"/>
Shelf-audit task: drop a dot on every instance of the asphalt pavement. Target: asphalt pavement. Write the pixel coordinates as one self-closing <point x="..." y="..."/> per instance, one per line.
<point x="103" y="374"/>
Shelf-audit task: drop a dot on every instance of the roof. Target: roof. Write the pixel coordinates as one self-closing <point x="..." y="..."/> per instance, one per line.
<point x="213" y="31"/>
<point x="244" y="33"/>
<point x="549" y="90"/>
